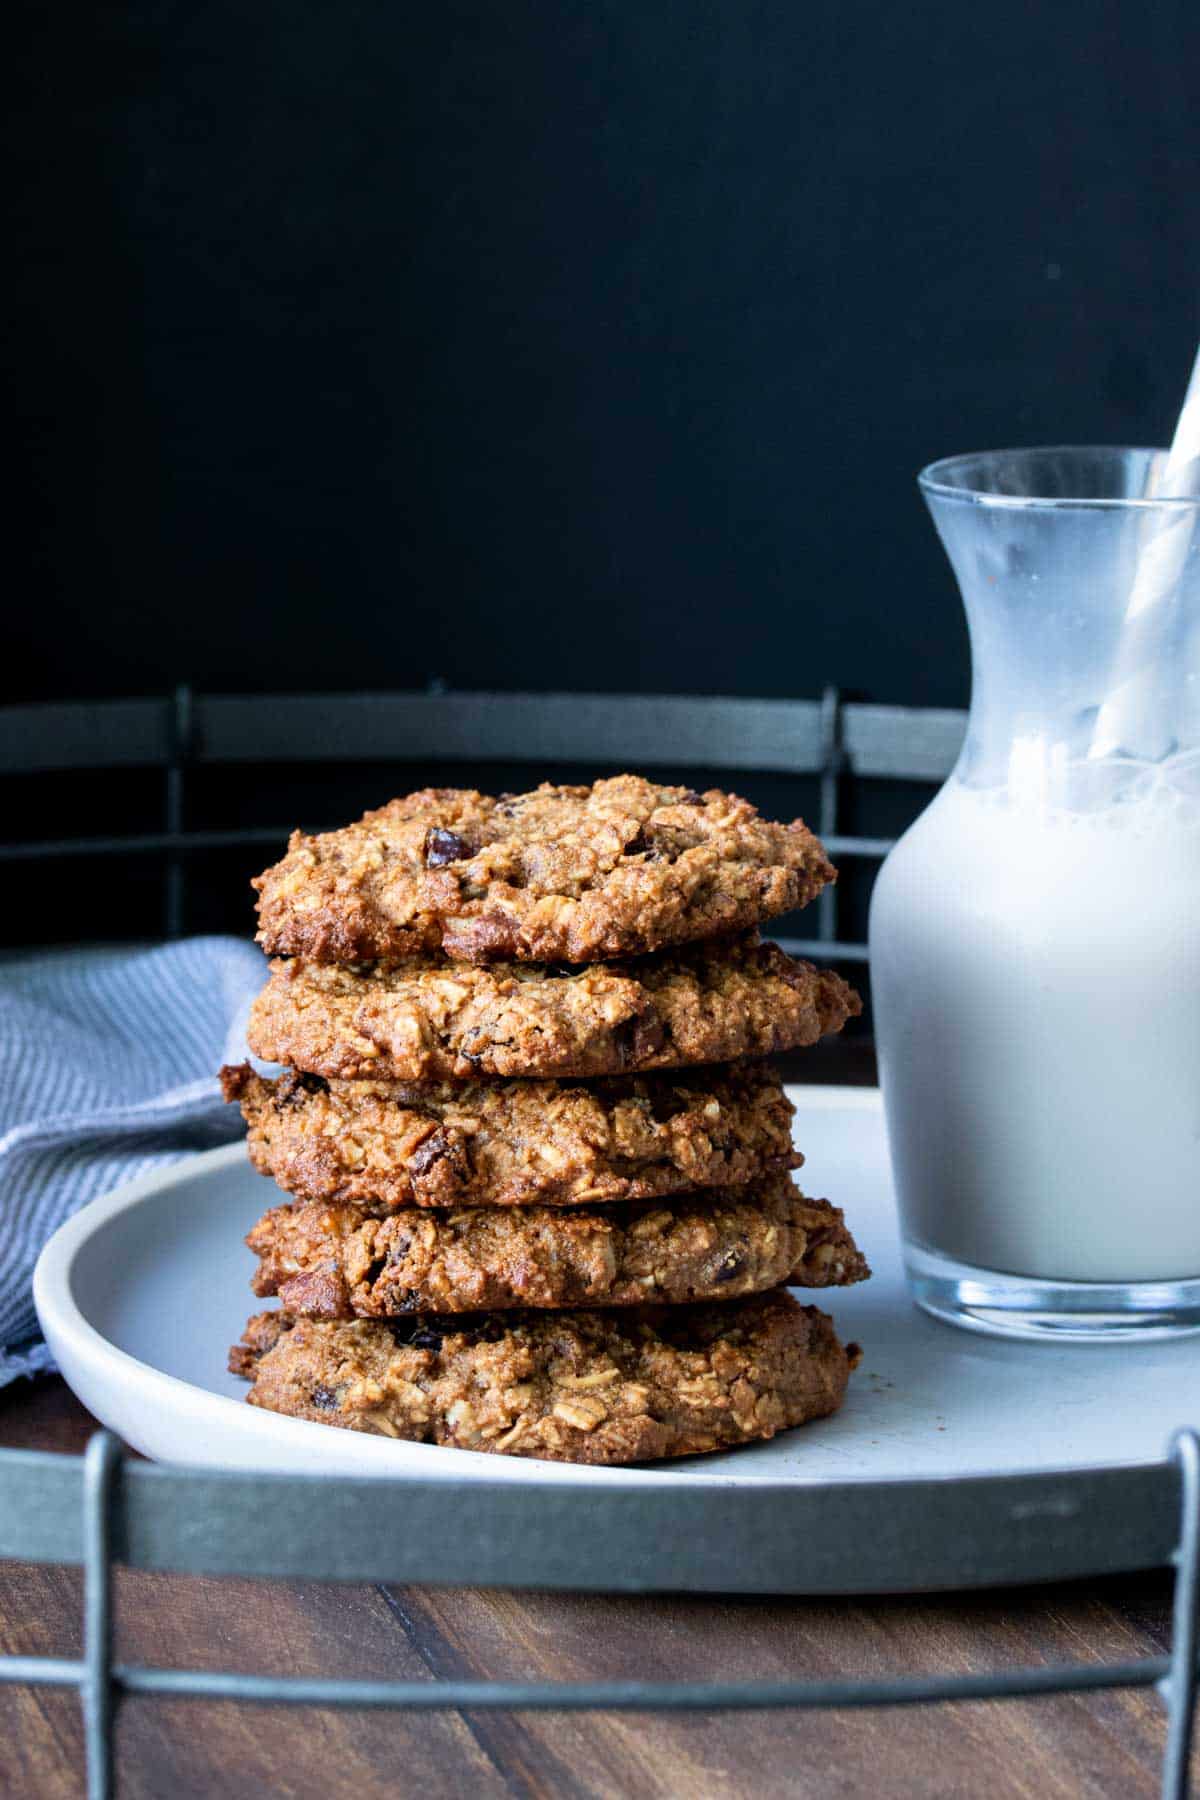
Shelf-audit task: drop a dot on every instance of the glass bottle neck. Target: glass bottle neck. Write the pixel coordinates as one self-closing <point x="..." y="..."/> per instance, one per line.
<point x="1085" y="679"/>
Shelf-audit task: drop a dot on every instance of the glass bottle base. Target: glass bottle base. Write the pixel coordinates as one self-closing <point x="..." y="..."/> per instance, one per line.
<point x="1063" y="1311"/>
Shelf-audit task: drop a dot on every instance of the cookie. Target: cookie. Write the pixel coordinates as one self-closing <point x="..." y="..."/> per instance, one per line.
<point x="337" y="1262"/>
<point x="429" y="1019"/>
<point x="588" y="1387"/>
<point x="513" y="1143"/>
<point x="562" y="874"/>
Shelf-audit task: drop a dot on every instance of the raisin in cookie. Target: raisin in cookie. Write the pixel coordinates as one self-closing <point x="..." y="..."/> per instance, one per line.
<point x="588" y="1387"/>
<point x="570" y="874"/>
<point x="514" y="1143"/>
<point x="429" y="1019"/>
<point x="337" y="1262"/>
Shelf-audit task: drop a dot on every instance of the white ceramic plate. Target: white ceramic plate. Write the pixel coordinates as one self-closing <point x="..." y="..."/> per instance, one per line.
<point x="141" y="1294"/>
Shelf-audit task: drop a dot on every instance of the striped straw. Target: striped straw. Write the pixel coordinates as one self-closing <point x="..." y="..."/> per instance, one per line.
<point x="1135" y="718"/>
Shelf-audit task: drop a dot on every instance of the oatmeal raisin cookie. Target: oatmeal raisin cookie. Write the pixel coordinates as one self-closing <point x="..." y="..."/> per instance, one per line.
<point x="387" y="1144"/>
<point x="332" y="1261"/>
<point x="562" y="874"/>
<point x="428" y="1019"/>
<point x="588" y="1387"/>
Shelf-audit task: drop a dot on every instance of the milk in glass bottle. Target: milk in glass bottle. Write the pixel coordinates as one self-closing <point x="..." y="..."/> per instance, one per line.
<point x="1035" y="936"/>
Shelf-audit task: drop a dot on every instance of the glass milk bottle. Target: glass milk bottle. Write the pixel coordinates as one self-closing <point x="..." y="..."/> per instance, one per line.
<point x="1035" y="936"/>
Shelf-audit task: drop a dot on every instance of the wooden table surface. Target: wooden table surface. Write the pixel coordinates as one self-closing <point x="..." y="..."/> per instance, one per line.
<point x="1107" y="1744"/>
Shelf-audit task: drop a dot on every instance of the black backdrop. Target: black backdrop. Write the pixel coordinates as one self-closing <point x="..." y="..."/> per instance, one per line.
<point x="579" y="345"/>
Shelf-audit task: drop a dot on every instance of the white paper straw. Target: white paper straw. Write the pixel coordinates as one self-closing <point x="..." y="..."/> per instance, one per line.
<point x="1135" y="718"/>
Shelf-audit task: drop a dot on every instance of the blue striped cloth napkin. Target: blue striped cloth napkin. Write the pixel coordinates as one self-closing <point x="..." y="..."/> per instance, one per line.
<point x="108" y="1063"/>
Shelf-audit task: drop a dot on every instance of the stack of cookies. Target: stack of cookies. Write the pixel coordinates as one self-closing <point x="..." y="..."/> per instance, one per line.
<point x="540" y="1186"/>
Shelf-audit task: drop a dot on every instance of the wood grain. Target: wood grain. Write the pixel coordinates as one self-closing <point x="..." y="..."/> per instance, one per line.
<point x="1099" y="1747"/>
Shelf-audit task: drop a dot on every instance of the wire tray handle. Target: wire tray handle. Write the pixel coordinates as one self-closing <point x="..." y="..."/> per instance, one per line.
<point x="102" y="1683"/>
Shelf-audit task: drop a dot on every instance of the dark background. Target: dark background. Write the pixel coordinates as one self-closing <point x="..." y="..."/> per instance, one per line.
<point x="561" y="345"/>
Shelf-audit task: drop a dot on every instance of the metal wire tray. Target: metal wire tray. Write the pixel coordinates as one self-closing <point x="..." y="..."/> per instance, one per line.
<point x="100" y="1510"/>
